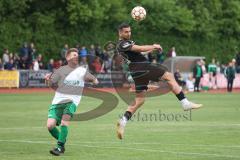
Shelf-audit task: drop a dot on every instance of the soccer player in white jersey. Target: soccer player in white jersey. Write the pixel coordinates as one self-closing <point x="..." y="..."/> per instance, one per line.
<point x="68" y="81"/>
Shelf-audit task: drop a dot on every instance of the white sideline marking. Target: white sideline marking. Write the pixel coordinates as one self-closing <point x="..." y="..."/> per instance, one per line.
<point x="128" y="148"/>
<point x="20" y="128"/>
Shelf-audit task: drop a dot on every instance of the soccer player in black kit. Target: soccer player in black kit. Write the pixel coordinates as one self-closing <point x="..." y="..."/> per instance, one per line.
<point x="142" y="72"/>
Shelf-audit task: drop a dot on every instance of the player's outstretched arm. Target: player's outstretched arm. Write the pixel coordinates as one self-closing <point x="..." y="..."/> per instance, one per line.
<point x="91" y="78"/>
<point x="146" y="48"/>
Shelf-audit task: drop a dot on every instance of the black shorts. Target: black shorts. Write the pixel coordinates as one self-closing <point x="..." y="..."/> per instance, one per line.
<point x="143" y="72"/>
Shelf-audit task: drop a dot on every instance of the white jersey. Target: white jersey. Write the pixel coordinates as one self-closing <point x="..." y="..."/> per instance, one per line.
<point x="70" y="84"/>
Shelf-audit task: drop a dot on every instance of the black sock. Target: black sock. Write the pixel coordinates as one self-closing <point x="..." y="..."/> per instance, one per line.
<point x="180" y="96"/>
<point x="60" y="144"/>
<point x="128" y="115"/>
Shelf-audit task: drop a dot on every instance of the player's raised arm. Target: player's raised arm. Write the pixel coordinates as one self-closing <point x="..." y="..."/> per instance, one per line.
<point x="146" y="48"/>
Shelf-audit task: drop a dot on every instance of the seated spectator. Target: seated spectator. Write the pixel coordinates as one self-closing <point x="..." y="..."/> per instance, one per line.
<point x="190" y="84"/>
<point x="50" y="65"/>
<point x="36" y="66"/>
<point x="57" y="64"/>
<point x="97" y="66"/>
<point x="10" y="65"/>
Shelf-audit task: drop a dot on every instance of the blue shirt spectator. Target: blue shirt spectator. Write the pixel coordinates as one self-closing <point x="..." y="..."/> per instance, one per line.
<point x="83" y="52"/>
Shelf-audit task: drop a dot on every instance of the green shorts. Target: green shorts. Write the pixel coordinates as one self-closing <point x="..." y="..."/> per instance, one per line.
<point x="57" y="110"/>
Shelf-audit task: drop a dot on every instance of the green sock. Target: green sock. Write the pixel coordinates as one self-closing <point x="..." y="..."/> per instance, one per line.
<point x="63" y="134"/>
<point x="54" y="132"/>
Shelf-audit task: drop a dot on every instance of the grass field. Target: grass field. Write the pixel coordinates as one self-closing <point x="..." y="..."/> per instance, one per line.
<point x="211" y="133"/>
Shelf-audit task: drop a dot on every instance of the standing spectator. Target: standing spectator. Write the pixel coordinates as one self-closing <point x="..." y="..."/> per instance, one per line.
<point x="24" y="54"/>
<point x="203" y="65"/>
<point x="83" y="56"/>
<point x="212" y="70"/>
<point x="197" y="74"/>
<point x="5" y="58"/>
<point x="63" y="51"/>
<point x="98" y="50"/>
<point x="78" y="48"/>
<point x="107" y="61"/>
<point x="172" y="52"/>
<point x="238" y="62"/>
<point x="230" y="75"/>
<point x="16" y="60"/>
<point x="91" y="54"/>
<point x="31" y="53"/>
<point x="50" y="65"/>
<point x="160" y="56"/>
<point x="10" y="65"/>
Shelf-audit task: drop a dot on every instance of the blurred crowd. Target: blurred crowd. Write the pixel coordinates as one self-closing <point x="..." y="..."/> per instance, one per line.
<point x="96" y="58"/>
<point x="209" y="72"/>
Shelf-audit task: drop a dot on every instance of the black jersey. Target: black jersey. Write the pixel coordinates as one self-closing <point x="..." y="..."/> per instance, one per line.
<point x="124" y="48"/>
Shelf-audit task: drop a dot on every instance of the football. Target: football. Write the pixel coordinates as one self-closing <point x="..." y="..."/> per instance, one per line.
<point x="138" y="13"/>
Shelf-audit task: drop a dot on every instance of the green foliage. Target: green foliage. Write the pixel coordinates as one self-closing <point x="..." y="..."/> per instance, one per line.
<point x="195" y="27"/>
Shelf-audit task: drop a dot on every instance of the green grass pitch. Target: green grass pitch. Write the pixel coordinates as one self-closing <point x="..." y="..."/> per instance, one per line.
<point x="210" y="133"/>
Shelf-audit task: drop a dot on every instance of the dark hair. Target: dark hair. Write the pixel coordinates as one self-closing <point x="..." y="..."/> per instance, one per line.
<point x="70" y="51"/>
<point x="123" y="25"/>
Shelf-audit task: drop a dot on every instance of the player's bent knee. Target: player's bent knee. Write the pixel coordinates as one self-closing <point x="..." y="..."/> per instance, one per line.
<point x="65" y="123"/>
<point x="50" y="126"/>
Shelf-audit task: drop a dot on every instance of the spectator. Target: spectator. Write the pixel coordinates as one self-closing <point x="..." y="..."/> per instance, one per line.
<point x="230" y="75"/>
<point x="36" y="66"/>
<point x="50" y="65"/>
<point x="16" y="60"/>
<point x="98" y="50"/>
<point x="172" y="52"/>
<point x="31" y="53"/>
<point x="160" y="57"/>
<point x="203" y="65"/>
<point x="78" y="48"/>
<point x="58" y="64"/>
<point x="91" y="54"/>
<point x="238" y="62"/>
<point x="197" y="74"/>
<point x="63" y="51"/>
<point x="10" y="56"/>
<point x="40" y="61"/>
<point x="179" y="78"/>
<point x="212" y="70"/>
<point x="5" y="58"/>
<point x="106" y="61"/>
<point x="97" y="66"/>
<point x="190" y="84"/>
<point x="24" y="54"/>
<point x="10" y="65"/>
<point x="83" y="55"/>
